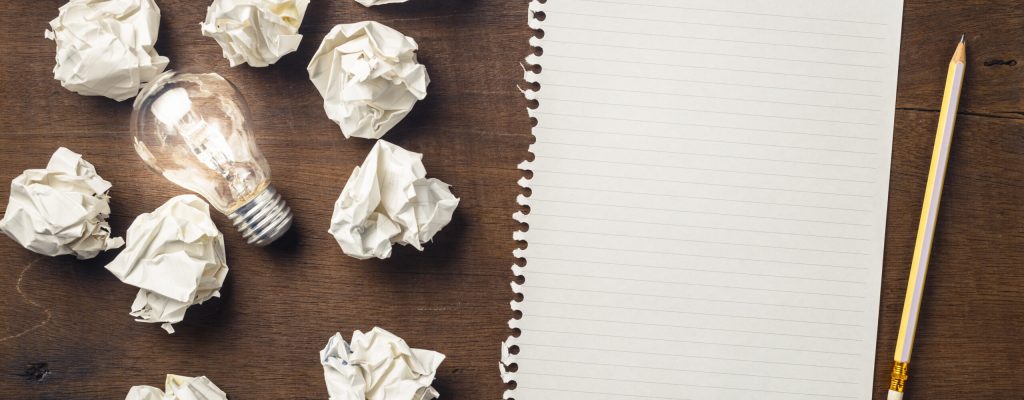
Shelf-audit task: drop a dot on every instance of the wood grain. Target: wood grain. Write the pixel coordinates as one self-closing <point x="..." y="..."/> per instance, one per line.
<point x="64" y="328"/>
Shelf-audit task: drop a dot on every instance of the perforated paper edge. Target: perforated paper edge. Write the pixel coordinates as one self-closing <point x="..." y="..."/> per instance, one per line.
<point x="507" y="364"/>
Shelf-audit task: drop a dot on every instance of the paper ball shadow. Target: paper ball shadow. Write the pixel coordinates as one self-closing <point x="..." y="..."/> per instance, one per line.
<point x="418" y="7"/>
<point x="441" y="381"/>
<point x="218" y="314"/>
<point x="210" y="318"/>
<point x="435" y="255"/>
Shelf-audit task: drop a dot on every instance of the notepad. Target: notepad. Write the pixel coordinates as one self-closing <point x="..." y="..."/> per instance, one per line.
<point x="707" y="199"/>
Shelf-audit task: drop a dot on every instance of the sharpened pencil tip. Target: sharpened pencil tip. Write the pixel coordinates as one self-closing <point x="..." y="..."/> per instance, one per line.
<point x="960" y="55"/>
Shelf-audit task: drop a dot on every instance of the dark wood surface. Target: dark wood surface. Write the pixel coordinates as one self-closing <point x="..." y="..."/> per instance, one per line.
<point x="65" y="332"/>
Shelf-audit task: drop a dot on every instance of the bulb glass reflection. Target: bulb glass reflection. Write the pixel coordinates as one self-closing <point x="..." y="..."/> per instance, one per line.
<point x="194" y="130"/>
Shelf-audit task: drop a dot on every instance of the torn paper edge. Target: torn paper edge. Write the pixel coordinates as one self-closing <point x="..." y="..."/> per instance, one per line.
<point x="509" y="348"/>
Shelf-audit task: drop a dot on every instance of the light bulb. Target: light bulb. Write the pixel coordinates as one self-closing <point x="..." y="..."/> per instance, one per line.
<point x="193" y="129"/>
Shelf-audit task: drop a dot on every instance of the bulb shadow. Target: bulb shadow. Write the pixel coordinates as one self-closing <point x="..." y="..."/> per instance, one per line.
<point x="289" y="242"/>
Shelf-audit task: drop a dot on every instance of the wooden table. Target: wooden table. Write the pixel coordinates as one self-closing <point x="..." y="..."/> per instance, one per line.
<point x="65" y="332"/>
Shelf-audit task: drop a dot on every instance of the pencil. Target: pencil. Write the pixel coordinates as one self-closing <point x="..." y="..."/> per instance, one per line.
<point x="926" y="228"/>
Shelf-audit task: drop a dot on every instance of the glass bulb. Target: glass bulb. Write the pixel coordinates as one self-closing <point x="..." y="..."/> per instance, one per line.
<point x="193" y="129"/>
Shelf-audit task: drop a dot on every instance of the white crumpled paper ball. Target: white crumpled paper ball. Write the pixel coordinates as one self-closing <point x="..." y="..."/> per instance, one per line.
<point x="389" y="200"/>
<point x="369" y="3"/>
<point x="105" y="47"/>
<point x="61" y="209"/>
<point x="378" y="366"/>
<point x="368" y="76"/>
<point x="175" y="256"/>
<point x="257" y="32"/>
<point x="179" y="388"/>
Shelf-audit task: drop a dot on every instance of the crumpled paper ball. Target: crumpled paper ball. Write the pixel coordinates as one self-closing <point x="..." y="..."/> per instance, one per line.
<point x="61" y="209"/>
<point x="378" y="366"/>
<point x="369" y="3"/>
<point x="257" y="32"/>
<point x="179" y="387"/>
<point x="105" y="47"/>
<point x="389" y="200"/>
<point x="368" y="76"/>
<point x="175" y="256"/>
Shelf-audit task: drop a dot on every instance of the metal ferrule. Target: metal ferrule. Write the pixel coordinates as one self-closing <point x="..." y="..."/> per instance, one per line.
<point x="899" y="376"/>
<point x="263" y="219"/>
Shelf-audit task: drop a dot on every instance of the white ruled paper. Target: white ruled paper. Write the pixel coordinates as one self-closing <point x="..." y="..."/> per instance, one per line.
<point x="708" y="198"/>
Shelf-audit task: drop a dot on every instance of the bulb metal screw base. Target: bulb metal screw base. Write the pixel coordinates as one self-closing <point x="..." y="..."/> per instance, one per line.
<point x="263" y="219"/>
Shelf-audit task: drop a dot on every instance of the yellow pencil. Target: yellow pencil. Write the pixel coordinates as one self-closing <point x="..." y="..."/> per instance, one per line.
<point x="929" y="211"/>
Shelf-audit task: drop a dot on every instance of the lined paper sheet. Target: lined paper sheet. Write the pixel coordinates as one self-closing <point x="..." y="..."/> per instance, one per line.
<point x="708" y="199"/>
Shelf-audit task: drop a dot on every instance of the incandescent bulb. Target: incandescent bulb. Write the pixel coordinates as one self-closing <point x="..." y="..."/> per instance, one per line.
<point x="193" y="129"/>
